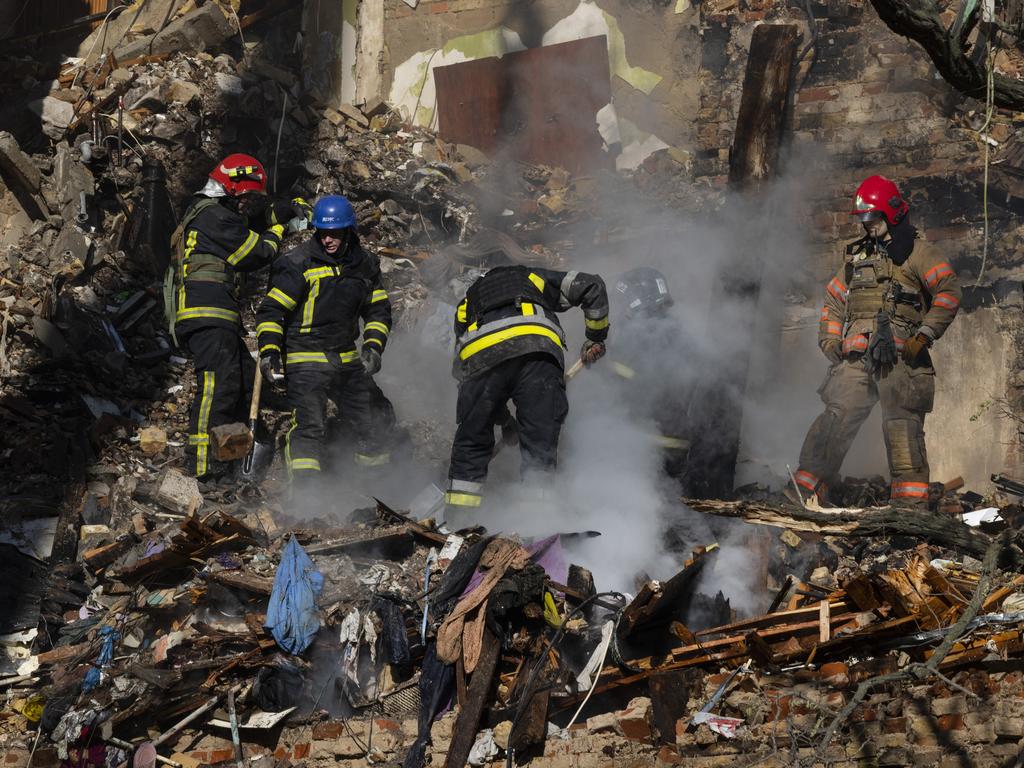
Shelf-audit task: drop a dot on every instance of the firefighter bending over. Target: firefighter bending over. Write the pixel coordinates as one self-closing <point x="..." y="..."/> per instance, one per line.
<point x="307" y="327"/>
<point x="217" y="244"/>
<point x="889" y="302"/>
<point x="510" y="347"/>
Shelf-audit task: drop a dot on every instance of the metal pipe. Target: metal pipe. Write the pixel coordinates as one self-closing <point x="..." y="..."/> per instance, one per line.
<point x="83" y="213"/>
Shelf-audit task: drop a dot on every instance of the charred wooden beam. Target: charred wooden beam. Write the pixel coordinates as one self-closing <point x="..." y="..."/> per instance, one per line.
<point x="477" y="696"/>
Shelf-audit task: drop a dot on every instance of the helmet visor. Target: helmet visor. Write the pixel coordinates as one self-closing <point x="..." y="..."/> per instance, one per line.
<point x="866" y="217"/>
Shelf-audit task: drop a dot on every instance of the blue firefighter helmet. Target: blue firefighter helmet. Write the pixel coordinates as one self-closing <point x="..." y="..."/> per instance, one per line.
<point x="333" y="212"/>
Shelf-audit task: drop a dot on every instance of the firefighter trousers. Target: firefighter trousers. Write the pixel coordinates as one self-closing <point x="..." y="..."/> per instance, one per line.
<point x="536" y="385"/>
<point x="224" y="378"/>
<point x="849" y="393"/>
<point x="362" y="407"/>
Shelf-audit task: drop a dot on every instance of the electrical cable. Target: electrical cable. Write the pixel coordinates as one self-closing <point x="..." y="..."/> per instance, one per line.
<point x="524" y="700"/>
<point x="280" y="127"/>
<point x="990" y="92"/>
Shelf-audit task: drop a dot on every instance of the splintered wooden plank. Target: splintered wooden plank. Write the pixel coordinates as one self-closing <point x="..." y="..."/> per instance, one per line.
<point x="824" y="622"/>
<point x="773" y="619"/>
<point x="997" y="597"/>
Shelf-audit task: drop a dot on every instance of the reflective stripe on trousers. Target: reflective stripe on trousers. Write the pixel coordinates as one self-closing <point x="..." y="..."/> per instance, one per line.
<point x="201" y="438"/>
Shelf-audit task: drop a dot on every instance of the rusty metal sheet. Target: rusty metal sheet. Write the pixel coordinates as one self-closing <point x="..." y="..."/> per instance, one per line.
<point x="540" y="104"/>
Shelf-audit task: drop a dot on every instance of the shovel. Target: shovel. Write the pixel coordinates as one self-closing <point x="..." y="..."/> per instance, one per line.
<point x="260" y="454"/>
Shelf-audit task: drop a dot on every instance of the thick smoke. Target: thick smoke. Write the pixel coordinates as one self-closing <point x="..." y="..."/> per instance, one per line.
<point x="612" y="476"/>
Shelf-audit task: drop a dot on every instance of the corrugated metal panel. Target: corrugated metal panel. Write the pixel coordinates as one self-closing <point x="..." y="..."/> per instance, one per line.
<point x="540" y="104"/>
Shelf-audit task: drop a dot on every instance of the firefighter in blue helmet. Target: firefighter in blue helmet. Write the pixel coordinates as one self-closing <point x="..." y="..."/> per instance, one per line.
<point x="308" y="327"/>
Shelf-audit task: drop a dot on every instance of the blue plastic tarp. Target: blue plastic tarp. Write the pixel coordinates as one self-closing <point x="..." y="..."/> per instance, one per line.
<point x="292" y="616"/>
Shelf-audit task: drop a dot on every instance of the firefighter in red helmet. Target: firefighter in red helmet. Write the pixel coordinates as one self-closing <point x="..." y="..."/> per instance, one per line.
<point x="217" y="244"/>
<point x="891" y="299"/>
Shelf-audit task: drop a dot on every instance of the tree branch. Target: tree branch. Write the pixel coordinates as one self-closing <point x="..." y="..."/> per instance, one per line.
<point x="919" y="21"/>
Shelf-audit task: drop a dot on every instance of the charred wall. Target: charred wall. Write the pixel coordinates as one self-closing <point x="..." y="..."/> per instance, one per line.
<point x="863" y="101"/>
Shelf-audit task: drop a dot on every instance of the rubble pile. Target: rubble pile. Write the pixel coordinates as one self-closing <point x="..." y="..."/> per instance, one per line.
<point x="151" y="619"/>
<point x="206" y="630"/>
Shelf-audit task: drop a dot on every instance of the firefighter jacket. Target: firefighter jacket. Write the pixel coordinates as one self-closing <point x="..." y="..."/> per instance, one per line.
<point x="311" y="312"/>
<point x="217" y="244"/>
<point x="511" y="311"/>
<point x="921" y="295"/>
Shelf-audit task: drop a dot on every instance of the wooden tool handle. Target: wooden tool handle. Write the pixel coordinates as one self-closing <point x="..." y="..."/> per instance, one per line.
<point x="573" y="370"/>
<point x="257" y="386"/>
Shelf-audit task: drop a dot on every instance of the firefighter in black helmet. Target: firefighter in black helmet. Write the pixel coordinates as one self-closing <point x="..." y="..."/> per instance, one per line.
<point x="510" y="346"/>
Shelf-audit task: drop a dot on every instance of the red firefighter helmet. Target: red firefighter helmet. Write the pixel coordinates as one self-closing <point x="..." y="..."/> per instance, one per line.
<point x="876" y="197"/>
<point x="239" y="174"/>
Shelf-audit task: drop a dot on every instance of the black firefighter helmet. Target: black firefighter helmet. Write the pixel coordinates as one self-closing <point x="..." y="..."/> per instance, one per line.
<point x="644" y="291"/>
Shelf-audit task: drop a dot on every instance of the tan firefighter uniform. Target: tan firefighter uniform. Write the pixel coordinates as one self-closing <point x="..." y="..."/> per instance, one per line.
<point x="921" y="296"/>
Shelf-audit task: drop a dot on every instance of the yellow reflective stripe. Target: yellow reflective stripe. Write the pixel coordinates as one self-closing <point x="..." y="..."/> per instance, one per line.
<point x="288" y="443"/>
<point x="311" y="464"/>
<point x="268" y="347"/>
<point x="305" y="357"/>
<point x="319" y="357"/>
<point x="372" y="459"/>
<point x="537" y="280"/>
<point x="190" y="245"/>
<point x="528" y="308"/>
<point x="473" y="326"/>
<point x="203" y="439"/>
<point x="243" y="250"/>
<point x="378" y="342"/>
<point x="504" y="335"/>
<point x="307" y="310"/>
<point x="597" y="325"/>
<point x="282" y="298"/>
<point x="462" y="499"/>
<point x="460" y="313"/>
<point x="203" y="427"/>
<point x="373" y="325"/>
<point x="317" y="272"/>
<point x="215" y="312"/>
<point x="378" y="296"/>
<point x="269" y="327"/>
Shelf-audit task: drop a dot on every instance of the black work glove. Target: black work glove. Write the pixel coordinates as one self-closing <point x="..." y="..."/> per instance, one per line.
<point x="882" y="347"/>
<point x="370" y="358"/>
<point x="591" y="352"/>
<point x="509" y="428"/>
<point x="912" y="348"/>
<point x="833" y="349"/>
<point x="283" y="211"/>
<point x="271" y="367"/>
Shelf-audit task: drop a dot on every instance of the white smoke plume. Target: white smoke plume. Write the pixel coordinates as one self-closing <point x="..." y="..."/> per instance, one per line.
<point x="611" y="475"/>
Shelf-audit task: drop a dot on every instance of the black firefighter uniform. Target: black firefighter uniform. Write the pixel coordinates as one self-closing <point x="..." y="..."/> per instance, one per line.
<point x="510" y="346"/>
<point x="218" y="244"/>
<point x="311" y="316"/>
<point x="921" y="295"/>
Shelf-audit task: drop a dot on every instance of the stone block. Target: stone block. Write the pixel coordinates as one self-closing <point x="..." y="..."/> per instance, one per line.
<point x="203" y="28"/>
<point x="634" y="722"/>
<point x="949" y="705"/>
<point x="230" y="442"/>
<point x="1008" y="727"/>
<point x="152" y="440"/>
<point x="603" y="723"/>
<point x="178" y="493"/>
